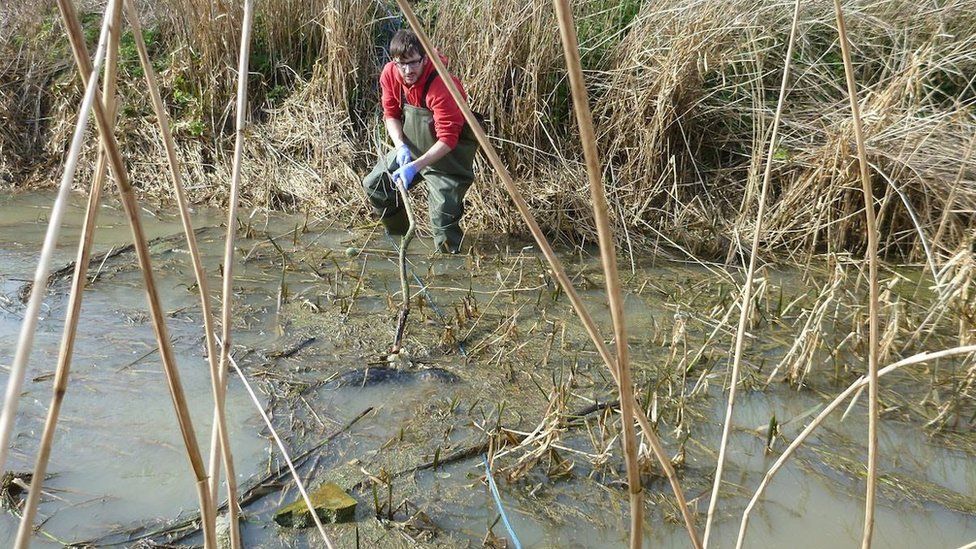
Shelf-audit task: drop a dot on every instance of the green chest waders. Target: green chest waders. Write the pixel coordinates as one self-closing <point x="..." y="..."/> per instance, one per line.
<point x="447" y="180"/>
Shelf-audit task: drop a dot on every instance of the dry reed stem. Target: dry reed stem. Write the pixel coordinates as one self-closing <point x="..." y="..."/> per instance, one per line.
<point x="201" y="277"/>
<point x="25" y="340"/>
<point x="131" y="207"/>
<point x="559" y="271"/>
<point x="608" y="256"/>
<point x="545" y="437"/>
<point x="281" y="446"/>
<point x="872" y="257"/>
<point x="745" y="308"/>
<point x="799" y="357"/>
<point x="228" y="289"/>
<point x="853" y="388"/>
<point x="79" y="278"/>
<point x="951" y="283"/>
<point x="953" y="189"/>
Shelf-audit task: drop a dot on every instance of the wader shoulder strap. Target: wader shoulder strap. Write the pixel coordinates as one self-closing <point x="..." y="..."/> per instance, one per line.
<point x="430" y="80"/>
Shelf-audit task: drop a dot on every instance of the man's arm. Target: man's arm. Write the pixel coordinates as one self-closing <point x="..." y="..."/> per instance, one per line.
<point x="394" y="127"/>
<point x="436" y="151"/>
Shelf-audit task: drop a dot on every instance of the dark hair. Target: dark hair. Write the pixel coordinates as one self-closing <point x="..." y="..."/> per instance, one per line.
<point x="404" y="43"/>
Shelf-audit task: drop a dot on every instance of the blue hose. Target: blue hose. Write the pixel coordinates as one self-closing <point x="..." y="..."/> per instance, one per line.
<point x="498" y="504"/>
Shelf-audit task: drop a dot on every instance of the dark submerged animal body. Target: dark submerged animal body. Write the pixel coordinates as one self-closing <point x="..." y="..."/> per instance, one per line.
<point x="376" y="375"/>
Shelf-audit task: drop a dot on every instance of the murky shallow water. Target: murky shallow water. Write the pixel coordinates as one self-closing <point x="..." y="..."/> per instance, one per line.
<point x="118" y="458"/>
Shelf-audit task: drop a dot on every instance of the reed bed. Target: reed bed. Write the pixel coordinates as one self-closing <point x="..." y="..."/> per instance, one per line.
<point x="682" y="94"/>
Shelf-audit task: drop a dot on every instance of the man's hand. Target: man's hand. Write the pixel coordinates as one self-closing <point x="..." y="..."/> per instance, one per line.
<point x="404" y="175"/>
<point x="403" y="155"/>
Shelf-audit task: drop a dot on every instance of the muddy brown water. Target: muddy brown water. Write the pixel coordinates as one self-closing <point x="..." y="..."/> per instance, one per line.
<point x="118" y="461"/>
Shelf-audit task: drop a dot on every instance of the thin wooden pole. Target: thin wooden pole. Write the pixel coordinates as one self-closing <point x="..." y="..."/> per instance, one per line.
<point x="131" y="207"/>
<point x="25" y="530"/>
<point x="203" y="285"/>
<point x="746" y="305"/>
<point x="284" y="453"/>
<point x="25" y="341"/>
<point x="235" y="181"/>
<point x="559" y="272"/>
<point x="872" y="257"/>
<point x="854" y="387"/>
<point x="608" y="256"/>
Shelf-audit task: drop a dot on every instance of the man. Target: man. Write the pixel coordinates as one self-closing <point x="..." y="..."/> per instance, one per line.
<point x="431" y="143"/>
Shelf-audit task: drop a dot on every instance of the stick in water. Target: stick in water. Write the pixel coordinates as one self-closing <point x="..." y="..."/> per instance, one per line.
<point x="228" y="290"/>
<point x="872" y="257"/>
<point x="402" y="259"/>
<point x="746" y="305"/>
<point x="25" y="342"/>
<point x="281" y="446"/>
<point x="26" y="528"/>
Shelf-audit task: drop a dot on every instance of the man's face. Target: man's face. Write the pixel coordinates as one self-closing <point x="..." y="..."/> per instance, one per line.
<point x="410" y="67"/>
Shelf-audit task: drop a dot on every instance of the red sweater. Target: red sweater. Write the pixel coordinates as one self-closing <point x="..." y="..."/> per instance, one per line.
<point x="448" y="120"/>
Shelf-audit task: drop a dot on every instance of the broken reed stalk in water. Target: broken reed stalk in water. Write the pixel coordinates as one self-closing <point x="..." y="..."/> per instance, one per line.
<point x="228" y="287"/>
<point x="745" y="307"/>
<point x="608" y="256"/>
<point x="872" y="256"/>
<point x="281" y="446"/>
<point x="79" y="278"/>
<point x="203" y="286"/>
<point x="558" y="271"/>
<point x="402" y="260"/>
<point x="25" y="341"/>
<point x="853" y="388"/>
<point x="131" y="207"/>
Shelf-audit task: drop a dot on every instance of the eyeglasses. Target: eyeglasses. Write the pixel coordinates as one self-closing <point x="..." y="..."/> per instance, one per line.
<point x="404" y="65"/>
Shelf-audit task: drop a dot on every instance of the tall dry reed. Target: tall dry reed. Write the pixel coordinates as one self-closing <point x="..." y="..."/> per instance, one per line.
<point x="681" y="93"/>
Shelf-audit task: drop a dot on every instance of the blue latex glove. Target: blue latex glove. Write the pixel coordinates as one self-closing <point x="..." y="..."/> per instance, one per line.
<point x="404" y="175"/>
<point x="403" y="155"/>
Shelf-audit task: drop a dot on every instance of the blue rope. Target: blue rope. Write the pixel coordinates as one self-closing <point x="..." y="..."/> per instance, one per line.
<point x="423" y="288"/>
<point x="498" y="504"/>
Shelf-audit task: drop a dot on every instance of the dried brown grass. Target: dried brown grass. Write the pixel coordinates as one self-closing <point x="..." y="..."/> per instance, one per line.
<point x="682" y="94"/>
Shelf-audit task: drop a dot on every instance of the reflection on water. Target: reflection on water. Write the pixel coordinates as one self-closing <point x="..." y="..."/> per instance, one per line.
<point x="118" y="458"/>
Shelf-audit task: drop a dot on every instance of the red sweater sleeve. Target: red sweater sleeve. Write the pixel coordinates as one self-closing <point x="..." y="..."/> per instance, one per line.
<point x="448" y="120"/>
<point x="390" y="88"/>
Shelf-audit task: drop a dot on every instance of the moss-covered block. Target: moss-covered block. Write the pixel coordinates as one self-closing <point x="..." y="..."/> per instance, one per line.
<point x="332" y="504"/>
